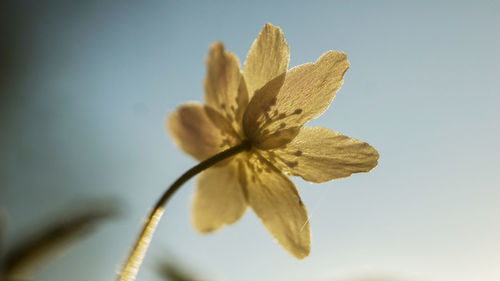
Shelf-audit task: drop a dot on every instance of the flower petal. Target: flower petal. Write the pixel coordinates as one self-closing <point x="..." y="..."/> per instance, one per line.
<point x="306" y="93"/>
<point x="225" y="89"/>
<point x="319" y="154"/>
<point x="276" y="201"/>
<point x="219" y="198"/>
<point x="199" y="134"/>
<point x="268" y="57"/>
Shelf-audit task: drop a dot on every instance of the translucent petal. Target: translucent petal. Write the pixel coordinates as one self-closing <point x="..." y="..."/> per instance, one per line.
<point x="268" y="57"/>
<point x="306" y="93"/>
<point x="225" y="89"/>
<point x="219" y="198"/>
<point x="277" y="203"/>
<point x="319" y="154"/>
<point x="198" y="133"/>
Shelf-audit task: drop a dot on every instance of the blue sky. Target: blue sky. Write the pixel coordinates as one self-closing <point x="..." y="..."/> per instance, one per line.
<point x="85" y="99"/>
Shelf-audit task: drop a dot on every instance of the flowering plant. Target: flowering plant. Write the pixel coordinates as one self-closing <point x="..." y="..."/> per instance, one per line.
<point x="250" y="134"/>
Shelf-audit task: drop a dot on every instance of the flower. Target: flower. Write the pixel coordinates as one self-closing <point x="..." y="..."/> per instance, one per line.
<point x="268" y="106"/>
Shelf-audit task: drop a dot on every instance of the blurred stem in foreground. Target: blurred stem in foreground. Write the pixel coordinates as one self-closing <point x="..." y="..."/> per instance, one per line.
<point x="137" y="254"/>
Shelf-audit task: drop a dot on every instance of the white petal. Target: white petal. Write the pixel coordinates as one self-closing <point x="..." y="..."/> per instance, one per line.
<point x="306" y="93"/>
<point x="219" y="198"/>
<point x="225" y="88"/>
<point x="319" y="154"/>
<point x="276" y="201"/>
<point x="268" y="57"/>
<point x="200" y="134"/>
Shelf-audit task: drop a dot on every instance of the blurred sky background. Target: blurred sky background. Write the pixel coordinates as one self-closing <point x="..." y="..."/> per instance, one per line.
<point x="85" y="87"/>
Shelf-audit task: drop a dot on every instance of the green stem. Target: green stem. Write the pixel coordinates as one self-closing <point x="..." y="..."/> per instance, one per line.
<point x="137" y="254"/>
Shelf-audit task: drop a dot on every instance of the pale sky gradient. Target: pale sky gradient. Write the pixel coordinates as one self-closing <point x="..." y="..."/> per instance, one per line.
<point x="84" y="100"/>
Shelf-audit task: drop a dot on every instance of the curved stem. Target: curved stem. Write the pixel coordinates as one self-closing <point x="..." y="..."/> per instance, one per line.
<point x="135" y="258"/>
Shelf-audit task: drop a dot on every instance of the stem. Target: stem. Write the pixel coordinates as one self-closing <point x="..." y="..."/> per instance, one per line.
<point x="136" y="257"/>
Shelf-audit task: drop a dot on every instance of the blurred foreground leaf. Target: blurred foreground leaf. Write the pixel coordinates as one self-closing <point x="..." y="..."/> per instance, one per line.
<point x="373" y="278"/>
<point x="173" y="272"/>
<point x="3" y="232"/>
<point x="51" y="242"/>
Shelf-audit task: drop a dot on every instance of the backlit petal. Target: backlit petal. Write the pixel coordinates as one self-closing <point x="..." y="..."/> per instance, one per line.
<point x="319" y="154"/>
<point x="268" y="57"/>
<point x="276" y="201"/>
<point x="199" y="134"/>
<point x="219" y="198"/>
<point x="225" y="89"/>
<point x="306" y="93"/>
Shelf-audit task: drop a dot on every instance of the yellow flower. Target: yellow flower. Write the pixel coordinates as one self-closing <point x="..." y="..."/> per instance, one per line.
<point x="268" y="106"/>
